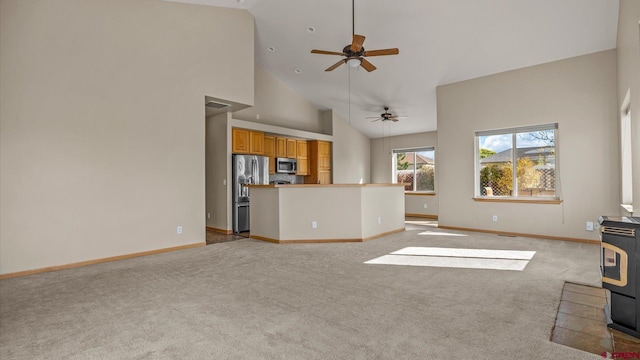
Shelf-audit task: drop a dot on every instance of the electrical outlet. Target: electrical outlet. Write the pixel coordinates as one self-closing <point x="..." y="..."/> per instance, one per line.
<point x="179" y="229"/>
<point x="589" y="225"/>
<point x="379" y="220"/>
<point x="314" y="224"/>
<point x="224" y="182"/>
<point x="209" y="215"/>
<point x="495" y="218"/>
<point x="425" y="206"/>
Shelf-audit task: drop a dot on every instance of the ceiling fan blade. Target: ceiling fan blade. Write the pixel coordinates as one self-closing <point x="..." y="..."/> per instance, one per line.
<point x="324" y="52"/>
<point x="357" y="42"/>
<point x="378" y="119"/>
<point x="399" y="117"/>
<point x="394" y="119"/>
<point x="393" y="51"/>
<point x="367" y="65"/>
<point x="373" y="117"/>
<point x="335" y="65"/>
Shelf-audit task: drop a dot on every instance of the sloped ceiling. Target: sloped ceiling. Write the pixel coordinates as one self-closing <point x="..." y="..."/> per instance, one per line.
<point x="440" y="41"/>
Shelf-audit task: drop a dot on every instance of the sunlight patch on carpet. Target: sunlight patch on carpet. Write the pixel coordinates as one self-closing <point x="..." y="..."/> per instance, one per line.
<point x="466" y="253"/>
<point x="440" y="233"/>
<point x="457" y="258"/>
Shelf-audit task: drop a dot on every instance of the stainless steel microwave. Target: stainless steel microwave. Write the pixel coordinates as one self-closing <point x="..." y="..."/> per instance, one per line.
<point x="287" y="166"/>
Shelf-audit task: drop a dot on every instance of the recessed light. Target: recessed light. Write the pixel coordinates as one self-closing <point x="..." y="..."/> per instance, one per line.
<point x="297" y="71"/>
<point x="311" y="29"/>
<point x="271" y="48"/>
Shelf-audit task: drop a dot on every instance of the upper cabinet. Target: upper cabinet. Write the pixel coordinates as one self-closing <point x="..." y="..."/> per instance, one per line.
<point x="302" y="151"/>
<point x="256" y="142"/>
<point x="285" y="147"/>
<point x="245" y="141"/>
<point x="291" y="148"/>
<point x="281" y="147"/>
<point x="270" y="151"/>
<point x="239" y="141"/>
<point x="324" y="155"/>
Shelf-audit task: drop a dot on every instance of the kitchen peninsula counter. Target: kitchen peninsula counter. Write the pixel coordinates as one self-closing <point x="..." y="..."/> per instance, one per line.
<point x="307" y="213"/>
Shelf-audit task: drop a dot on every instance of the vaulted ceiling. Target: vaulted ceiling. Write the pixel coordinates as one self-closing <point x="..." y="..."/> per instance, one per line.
<point x="440" y="41"/>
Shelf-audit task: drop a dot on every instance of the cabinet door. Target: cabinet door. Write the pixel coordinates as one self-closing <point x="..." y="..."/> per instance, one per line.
<point x="239" y="141"/>
<point x="324" y="155"/>
<point x="302" y="149"/>
<point x="270" y="151"/>
<point x="291" y="148"/>
<point x="324" y="177"/>
<point x="269" y="145"/>
<point x="281" y="147"/>
<point x="303" y="167"/>
<point x="324" y="148"/>
<point x="324" y="162"/>
<point x="256" y="142"/>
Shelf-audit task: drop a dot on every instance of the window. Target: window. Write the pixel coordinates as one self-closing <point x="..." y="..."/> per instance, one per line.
<point x="517" y="163"/>
<point x="416" y="168"/>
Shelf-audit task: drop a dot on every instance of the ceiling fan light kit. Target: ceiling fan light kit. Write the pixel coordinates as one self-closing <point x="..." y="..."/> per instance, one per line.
<point x="353" y="62"/>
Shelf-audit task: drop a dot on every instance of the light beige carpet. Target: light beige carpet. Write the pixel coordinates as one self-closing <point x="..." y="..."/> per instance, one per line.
<point x="254" y="300"/>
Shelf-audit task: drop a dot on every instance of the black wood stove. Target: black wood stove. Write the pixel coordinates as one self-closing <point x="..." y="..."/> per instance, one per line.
<point x="619" y="264"/>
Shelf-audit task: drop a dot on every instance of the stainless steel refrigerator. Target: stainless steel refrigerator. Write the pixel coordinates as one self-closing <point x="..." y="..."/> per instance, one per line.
<point x="247" y="170"/>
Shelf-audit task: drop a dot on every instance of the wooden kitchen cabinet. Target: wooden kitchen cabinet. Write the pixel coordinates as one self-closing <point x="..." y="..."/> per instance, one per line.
<point x="291" y="148"/>
<point x="302" y="152"/>
<point x="240" y="141"/>
<point x="244" y="141"/>
<point x="319" y="163"/>
<point x="256" y="143"/>
<point x="303" y="167"/>
<point x="270" y="151"/>
<point x="324" y="155"/>
<point x="324" y="176"/>
<point x="281" y="147"/>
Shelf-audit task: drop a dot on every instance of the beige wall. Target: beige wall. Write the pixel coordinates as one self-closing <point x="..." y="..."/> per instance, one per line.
<point x="629" y="79"/>
<point x="217" y="177"/>
<point x="580" y="95"/>
<point x="278" y="105"/>
<point x="351" y="153"/>
<point x="382" y="210"/>
<point x="102" y="125"/>
<point x="381" y="167"/>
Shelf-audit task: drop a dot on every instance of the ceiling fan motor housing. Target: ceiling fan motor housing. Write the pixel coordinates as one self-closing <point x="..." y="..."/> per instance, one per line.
<point x="352" y="54"/>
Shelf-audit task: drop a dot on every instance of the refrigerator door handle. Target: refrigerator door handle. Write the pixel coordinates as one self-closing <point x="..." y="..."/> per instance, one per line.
<point x="254" y="171"/>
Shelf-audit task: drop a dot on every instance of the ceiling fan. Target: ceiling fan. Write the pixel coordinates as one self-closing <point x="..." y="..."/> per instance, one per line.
<point x="386" y="116"/>
<point x="354" y="54"/>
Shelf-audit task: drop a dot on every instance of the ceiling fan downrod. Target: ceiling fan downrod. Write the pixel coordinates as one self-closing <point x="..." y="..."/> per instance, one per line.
<point x="353" y="17"/>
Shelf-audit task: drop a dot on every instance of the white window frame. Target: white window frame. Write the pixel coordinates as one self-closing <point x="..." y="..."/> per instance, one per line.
<point x="514" y="131"/>
<point x="626" y="164"/>
<point x="415" y="177"/>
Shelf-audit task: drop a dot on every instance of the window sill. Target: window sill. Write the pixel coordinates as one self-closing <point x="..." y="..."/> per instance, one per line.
<point x="418" y="193"/>
<point x="516" y="200"/>
<point x="627" y="207"/>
